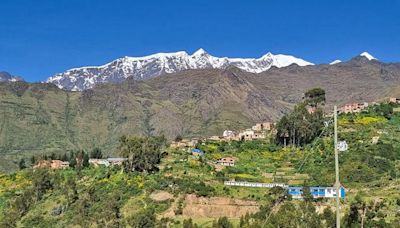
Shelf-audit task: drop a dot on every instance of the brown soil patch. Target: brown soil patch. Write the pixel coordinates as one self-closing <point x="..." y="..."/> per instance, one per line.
<point x="161" y="196"/>
<point x="215" y="207"/>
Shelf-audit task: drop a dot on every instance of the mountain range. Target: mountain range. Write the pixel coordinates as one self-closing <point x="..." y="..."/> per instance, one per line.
<point x="141" y="68"/>
<point x="38" y="118"/>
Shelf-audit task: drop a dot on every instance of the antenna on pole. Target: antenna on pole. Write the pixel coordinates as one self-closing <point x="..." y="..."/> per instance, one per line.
<point x="337" y="183"/>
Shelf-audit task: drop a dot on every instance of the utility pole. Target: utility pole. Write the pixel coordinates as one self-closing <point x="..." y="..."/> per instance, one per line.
<point x="337" y="183"/>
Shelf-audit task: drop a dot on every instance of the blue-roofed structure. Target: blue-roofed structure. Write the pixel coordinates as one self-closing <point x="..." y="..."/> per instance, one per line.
<point x="317" y="192"/>
<point x="197" y="152"/>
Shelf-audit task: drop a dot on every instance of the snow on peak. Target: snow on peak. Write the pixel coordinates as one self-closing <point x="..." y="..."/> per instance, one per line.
<point x="286" y="60"/>
<point x="199" y="52"/>
<point x="367" y="55"/>
<point x="160" y="63"/>
<point x="335" y="62"/>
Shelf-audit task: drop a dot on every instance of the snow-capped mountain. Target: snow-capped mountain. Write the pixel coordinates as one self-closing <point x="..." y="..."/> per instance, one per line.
<point x="335" y="62"/>
<point x="5" y="76"/>
<point x="368" y="56"/>
<point x="141" y="68"/>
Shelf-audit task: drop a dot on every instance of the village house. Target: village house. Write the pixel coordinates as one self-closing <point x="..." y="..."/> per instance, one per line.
<point x="197" y="152"/>
<point x="179" y="144"/>
<point x="116" y="161"/>
<point x="215" y="138"/>
<point x="266" y="126"/>
<point x="353" y="107"/>
<point x="193" y="142"/>
<point x="107" y="162"/>
<point x="258" y="135"/>
<point x="98" y="162"/>
<point x="394" y="100"/>
<point x="52" y="164"/>
<point x="311" y="109"/>
<point x="184" y="143"/>
<point x="227" y="161"/>
<point x="246" y="134"/>
<point x="228" y="134"/>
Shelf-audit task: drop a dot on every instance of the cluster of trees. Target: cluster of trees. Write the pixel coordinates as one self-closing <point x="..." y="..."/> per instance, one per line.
<point x="364" y="214"/>
<point x="143" y="153"/>
<point x="42" y="182"/>
<point x="301" y="126"/>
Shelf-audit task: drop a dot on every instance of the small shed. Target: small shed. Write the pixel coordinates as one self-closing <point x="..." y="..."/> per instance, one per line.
<point x="197" y="152"/>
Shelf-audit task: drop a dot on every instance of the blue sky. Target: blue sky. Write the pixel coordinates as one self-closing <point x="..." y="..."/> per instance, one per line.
<point x="41" y="38"/>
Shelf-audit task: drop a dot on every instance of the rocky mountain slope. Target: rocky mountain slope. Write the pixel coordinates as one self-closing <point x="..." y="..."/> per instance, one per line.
<point x="140" y="68"/>
<point x="5" y="76"/>
<point x="41" y="118"/>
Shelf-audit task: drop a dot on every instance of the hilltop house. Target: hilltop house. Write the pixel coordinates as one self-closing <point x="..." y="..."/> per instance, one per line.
<point x="353" y="107"/>
<point x="227" y="161"/>
<point x="52" y="164"/>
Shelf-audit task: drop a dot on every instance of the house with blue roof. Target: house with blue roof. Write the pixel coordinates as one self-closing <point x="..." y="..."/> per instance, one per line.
<point x="197" y="152"/>
<point x="317" y="192"/>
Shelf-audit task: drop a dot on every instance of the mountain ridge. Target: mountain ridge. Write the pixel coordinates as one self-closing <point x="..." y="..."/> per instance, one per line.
<point x="40" y="117"/>
<point x="5" y="76"/>
<point x="140" y="68"/>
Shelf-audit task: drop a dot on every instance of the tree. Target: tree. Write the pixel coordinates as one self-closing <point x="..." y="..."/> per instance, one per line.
<point x="222" y="222"/>
<point x="70" y="190"/>
<point x="384" y="109"/>
<point x="64" y="157"/>
<point x="41" y="182"/>
<point x="143" y="219"/>
<point x="178" y="138"/>
<point x="329" y="217"/>
<point x="96" y="153"/>
<point x="85" y="162"/>
<point x="22" y="164"/>
<point x="143" y="153"/>
<point x="82" y="159"/>
<point x="315" y="96"/>
<point x="307" y="196"/>
<point x="33" y="160"/>
<point x="188" y="223"/>
<point x="309" y="215"/>
<point x="299" y="127"/>
<point x="72" y="160"/>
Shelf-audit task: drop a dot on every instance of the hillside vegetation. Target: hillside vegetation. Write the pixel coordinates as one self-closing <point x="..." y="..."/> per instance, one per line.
<point x="40" y="118"/>
<point x="175" y="193"/>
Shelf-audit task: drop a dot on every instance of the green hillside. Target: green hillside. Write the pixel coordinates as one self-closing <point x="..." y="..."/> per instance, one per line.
<point x="112" y="197"/>
<point x="40" y="118"/>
